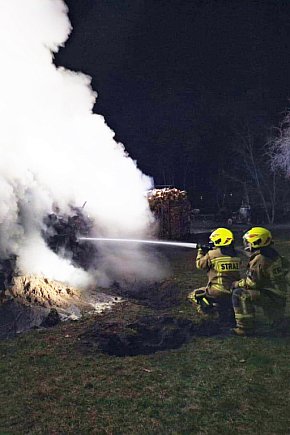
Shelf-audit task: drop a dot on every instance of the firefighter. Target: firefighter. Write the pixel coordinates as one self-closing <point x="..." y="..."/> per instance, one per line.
<point x="223" y="268"/>
<point x="265" y="283"/>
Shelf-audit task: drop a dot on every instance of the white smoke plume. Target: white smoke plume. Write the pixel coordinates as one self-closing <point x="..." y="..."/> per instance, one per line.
<point x="55" y="150"/>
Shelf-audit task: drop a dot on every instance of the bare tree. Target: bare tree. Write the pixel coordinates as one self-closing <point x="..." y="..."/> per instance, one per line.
<point x="280" y="147"/>
<point x="255" y="171"/>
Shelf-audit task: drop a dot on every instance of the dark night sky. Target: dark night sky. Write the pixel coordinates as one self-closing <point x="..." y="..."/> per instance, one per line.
<point x="173" y="75"/>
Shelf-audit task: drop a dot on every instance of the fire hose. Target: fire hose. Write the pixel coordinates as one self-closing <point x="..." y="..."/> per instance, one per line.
<point x="151" y="242"/>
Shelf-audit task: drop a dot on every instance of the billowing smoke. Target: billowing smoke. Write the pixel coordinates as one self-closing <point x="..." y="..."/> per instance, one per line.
<point x="54" y="150"/>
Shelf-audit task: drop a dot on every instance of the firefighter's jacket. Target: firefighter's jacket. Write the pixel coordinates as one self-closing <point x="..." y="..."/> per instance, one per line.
<point x="222" y="270"/>
<point x="266" y="272"/>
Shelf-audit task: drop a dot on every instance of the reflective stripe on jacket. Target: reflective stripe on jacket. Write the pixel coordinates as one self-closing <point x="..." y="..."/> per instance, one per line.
<point x="221" y="269"/>
<point x="265" y="273"/>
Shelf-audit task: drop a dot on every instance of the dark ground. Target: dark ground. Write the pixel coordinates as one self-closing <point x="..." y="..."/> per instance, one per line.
<point x="59" y="380"/>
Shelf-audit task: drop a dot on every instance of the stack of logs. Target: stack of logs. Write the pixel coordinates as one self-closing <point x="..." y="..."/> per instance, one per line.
<point x="172" y="210"/>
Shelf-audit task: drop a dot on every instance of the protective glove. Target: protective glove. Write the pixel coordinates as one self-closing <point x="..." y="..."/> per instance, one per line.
<point x="203" y="249"/>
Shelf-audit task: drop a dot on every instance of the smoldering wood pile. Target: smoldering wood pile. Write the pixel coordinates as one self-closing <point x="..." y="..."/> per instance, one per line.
<point x="172" y="210"/>
<point x="35" y="301"/>
<point x="44" y="292"/>
<point x="61" y="235"/>
<point x="40" y="291"/>
<point x="28" y="301"/>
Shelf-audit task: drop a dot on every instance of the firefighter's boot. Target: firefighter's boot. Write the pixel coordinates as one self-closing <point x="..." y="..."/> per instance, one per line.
<point x="242" y="332"/>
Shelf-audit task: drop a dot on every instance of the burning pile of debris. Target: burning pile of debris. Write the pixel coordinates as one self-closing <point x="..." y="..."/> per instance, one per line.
<point x="43" y="292"/>
<point x="33" y="301"/>
<point x="172" y="210"/>
<point x="61" y="235"/>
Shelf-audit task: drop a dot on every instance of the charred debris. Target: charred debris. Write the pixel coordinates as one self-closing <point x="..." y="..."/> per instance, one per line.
<point x="170" y="207"/>
<point x="41" y="303"/>
<point x="61" y="234"/>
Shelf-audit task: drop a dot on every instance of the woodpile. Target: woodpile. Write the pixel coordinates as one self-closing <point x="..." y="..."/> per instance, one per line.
<point x="172" y="210"/>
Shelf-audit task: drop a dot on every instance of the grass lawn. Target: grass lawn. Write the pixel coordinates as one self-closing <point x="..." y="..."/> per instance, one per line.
<point x="211" y="385"/>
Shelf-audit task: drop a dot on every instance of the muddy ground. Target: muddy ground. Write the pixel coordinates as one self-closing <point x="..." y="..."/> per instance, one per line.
<point x="146" y="320"/>
<point x="152" y="316"/>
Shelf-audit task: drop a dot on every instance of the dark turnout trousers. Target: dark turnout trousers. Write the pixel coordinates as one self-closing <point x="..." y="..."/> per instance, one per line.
<point x="244" y="301"/>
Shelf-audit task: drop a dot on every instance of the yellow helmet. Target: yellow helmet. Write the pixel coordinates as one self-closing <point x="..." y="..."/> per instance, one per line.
<point x="257" y="237"/>
<point x="221" y="237"/>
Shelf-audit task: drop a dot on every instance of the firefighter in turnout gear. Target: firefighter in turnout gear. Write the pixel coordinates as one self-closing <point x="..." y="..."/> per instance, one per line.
<point x="223" y="268"/>
<point x="265" y="283"/>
